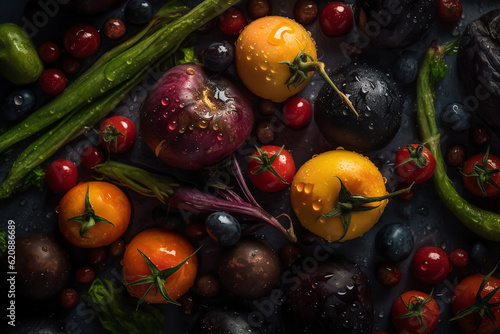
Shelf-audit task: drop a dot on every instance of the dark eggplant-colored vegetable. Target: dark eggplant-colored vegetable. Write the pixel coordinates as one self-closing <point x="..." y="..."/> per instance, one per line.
<point x="376" y="98"/>
<point x="192" y="119"/>
<point x="394" y="24"/>
<point x="334" y="297"/>
<point x="42" y="266"/>
<point x="222" y="321"/>
<point x="479" y="65"/>
<point x="249" y="269"/>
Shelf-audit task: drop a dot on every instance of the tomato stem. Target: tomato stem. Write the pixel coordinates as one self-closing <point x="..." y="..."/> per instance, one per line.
<point x="415" y="306"/>
<point x="483" y="173"/>
<point x="88" y="218"/>
<point x="302" y="65"/>
<point x="266" y="162"/>
<point x="110" y="134"/>
<point x="416" y="155"/>
<point x="347" y="204"/>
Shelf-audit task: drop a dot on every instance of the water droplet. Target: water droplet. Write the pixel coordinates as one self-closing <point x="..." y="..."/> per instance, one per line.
<point x="299" y="187"/>
<point x="276" y="37"/>
<point x="165" y="101"/>
<point x="18" y="100"/>
<point x="129" y="61"/>
<point x="220" y="136"/>
<point x="308" y="188"/>
<point x="190" y="71"/>
<point x="317" y="205"/>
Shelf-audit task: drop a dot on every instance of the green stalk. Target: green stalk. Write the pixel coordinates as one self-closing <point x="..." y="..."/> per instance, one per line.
<point x="484" y="223"/>
<point x="73" y="125"/>
<point x="116" y="70"/>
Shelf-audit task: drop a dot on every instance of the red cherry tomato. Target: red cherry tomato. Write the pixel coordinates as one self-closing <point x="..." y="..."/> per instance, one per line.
<point x="449" y="10"/>
<point x="415" y="164"/>
<point x="82" y="40"/>
<point x="49" y="52"/>
<point x="117" y="134"/>
<point x="61" y="175"/>
<point x="52" y="81"/>
<point x="430" y="265"/>
<point x="232" y="22"/>
<point x="92" y="156"/>
<point x="271" y="168"/>
<point x="297" y="112"/>
<point x="459" y="258"/>
<point x="479" y="174"/>
<point x="415" y="312"/>
<point x="336" y="19"/>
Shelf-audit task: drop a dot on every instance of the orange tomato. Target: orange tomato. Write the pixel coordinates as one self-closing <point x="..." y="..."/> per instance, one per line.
<point x="107" y="201"/>
<point x="166" y="249"/>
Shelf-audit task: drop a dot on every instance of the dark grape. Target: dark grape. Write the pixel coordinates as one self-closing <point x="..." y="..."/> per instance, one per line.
<point x="223" y="228"/>
<point x="218" y="56"/>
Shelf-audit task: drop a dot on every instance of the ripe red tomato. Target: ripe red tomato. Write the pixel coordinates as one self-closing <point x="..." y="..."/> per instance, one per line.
<point x="449" y="10"/>
<point x="61" y="175"/>
<point x="92" y="156"/>
<point x="477" y="291"/>
<point x="271" y="168"/>
<point x="52" y="81"/>
<point x="336" y="19"/>
<point x="165" y="249"/>
<point x="415" y="164"/>
<point x="415" y="312"/>
<point x="82" y="40"/>
<point x="117" y="134"/>
<point x="430" y="264"/>
<point x="297" y="112"/>
<point x="93" y="214"/>
<point x="232" y="22"/>
<point x="481" y="175"/>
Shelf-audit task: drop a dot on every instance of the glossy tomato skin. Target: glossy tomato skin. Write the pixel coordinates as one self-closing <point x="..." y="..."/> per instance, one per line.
<point x="430" y="264"/>
<point x="470" y="182"/>
<point x="315" y="189"/>
<point x="449" y="10"/>
<point x="297" y="112"/>
<point x="260" y="48"/>
<point x="411" y="325"/>
<point x="165" y="249"/>
<point x="284" y="165"/>
<point x="124" y="140"/>
<point x="336" y="19"/>
<point x="465" y="295"/>
<point x="108" y="202"/>
<point x="409" y="172"/>
<point x="61" y="175"/>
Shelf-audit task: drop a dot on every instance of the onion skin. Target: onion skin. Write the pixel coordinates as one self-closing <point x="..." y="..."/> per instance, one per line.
<point x="193" y="119"/>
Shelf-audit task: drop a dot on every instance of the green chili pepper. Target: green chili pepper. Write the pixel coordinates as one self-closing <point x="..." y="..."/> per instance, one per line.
<point x="484" y="223"/>
<point x="19" y="61"/>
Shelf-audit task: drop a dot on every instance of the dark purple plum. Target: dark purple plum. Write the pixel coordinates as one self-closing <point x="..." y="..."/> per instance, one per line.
<point x="332" y="297"/>
<point x="393" y="24"/>
<point x="192" y="119"/>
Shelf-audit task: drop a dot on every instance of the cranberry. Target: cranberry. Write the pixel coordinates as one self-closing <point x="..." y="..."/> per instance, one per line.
<point x="114" y="28"/>
<point x="49" y="52"/>
<point x="388" y="274"/>
<point x="195" y="230"/>
<point x="336" y="19"/>
<point x="258" y="8"/>
<point x="52" y="81"/>
<point x="208" y="285"/>
<point x="70" y="65"/>
<point x="61" y="175"/>
<point x="449" y="10"/>
<point x="480" y="135"/>
<point x="455" y="155"/>
<point x="117" y="247"/>
<point x="305" y="11"/>
<point x="266" y="107"/>
<point x="97" y="256"/>
<point x="297" y="112"/>
<point x="459" y="258"/>
<point x="232" y="22"/>
<point x="430" y="265"/>
<point x="82" y="40"/>
<point x="91" y="157"/>
<point x="265" y="132"/>
<point x="85" y="275"/>
<point x="68" y="298"/>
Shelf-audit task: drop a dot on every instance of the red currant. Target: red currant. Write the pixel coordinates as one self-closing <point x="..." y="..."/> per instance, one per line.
<point x="61" y="175"/>
<point x="459" y="258"/>
<point x="91" y="157"/>
<point x="52" y="81"/>
<point x="70" y="65"/>
<point x="232" y="22"/>
<point x="430" y="265"/>
<point x="336" y="19"/>
<point x="114" y="28"/>
<point x="49" y="52"/>
<point x="68" y="298"/>
<point x="82" y="40"/>
<point x="297" y="112"/>
<point x="449" y="10"/>
<point x="85" y="275"/>
<point x="388" y="274"/>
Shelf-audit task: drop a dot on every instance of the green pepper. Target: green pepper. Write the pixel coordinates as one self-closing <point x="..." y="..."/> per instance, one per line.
<point x="19" y="60"/>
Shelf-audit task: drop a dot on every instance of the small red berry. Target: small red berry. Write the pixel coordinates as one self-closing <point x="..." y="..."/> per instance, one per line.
<point x="232" y="22"/>
<point x="52" y="81"/>
<point x="336" y="19"/>
<point x="82" y="40"/>
<point x="49" y="52"/>
<point x="114" y="28"/>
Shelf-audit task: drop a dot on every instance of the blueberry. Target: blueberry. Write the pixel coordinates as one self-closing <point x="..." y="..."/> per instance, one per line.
<point x="17" y="105"/>
<point x="138" y="12"/>
<point x="405" y="68"/>
<point x="218" y="56"/>
<point x="478" y="254"/>
<point x="223" y="228"/>
<point x="455" y="117"/>
<point x="394" y="241"/>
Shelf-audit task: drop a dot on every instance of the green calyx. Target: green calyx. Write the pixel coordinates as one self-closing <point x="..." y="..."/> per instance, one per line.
<point x="482" y="307"/>
<point x="266" y="162"/>
<point x="111" y="134"/>
<point x="305" y="63"/>
<point x="157" y="278"/>
<point x="415" y="306"/>
<point x="416" y="156"/>
<point x="348" y="204"/>
<point x="88" y="218"/>
<point x="483" y="173"/>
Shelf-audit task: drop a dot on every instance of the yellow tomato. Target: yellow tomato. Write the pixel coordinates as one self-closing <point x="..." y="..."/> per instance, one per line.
<point x="262" y="46"/>
<point x="315" y="191"/>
